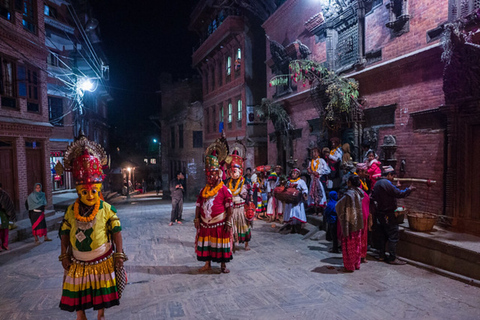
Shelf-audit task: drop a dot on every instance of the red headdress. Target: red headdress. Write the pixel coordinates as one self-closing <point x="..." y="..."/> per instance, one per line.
<point x="85" y="159"/>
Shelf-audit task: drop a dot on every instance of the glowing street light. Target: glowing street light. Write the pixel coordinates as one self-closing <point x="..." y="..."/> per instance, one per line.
<point x="154" y="140"/>
<point x="86" y="84"/>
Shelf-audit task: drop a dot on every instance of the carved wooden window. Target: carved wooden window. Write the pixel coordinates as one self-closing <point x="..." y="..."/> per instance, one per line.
<point x="229" y="66"/>
<point x="29" y="21"/>
<point x="230" y="114"/>
<point x="6" y="9"/>
<point x="462" y="8"/>
<point x="33" y="103"/>
<point x="238" y="62"/>
<point x="239" y="111"/>
<point x="7" y="83"/>
<point x="399" y="17"/>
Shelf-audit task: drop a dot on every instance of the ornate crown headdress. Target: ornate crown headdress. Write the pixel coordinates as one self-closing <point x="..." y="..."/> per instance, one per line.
<point x="85" y="159"/>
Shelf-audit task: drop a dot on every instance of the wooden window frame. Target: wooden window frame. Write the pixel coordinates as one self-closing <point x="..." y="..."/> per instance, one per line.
<point x="33" y="88"/>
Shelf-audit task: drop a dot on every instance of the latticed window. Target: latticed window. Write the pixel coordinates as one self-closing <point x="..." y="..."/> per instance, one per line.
<point x="230" y="112"/>
<point x="32" y="90"/>
<point x="462" y="8"/>
<point x="239" y="110"/>
<point x="29" y="16"/>
<point x="229" y="66"/>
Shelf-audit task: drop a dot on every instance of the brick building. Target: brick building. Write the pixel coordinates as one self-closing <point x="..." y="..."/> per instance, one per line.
<point x="182" y="130"/>
<point x="73" y="43"/>
<point x="230" y="60"/>
<point x="24" y="125"/>
<point x="393" y="49"/>
<point x="37" y="100"/>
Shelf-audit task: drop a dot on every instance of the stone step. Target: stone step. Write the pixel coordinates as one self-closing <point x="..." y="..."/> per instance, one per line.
<point x="24" y="227"/>
<point x="442" y="249"/>
<point x="456" y="253"/>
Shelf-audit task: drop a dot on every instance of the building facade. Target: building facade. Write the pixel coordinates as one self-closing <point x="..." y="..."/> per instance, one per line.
<point x="230" y="60"/>
<point x="410" y="108"/>
<point x="182" y="134"/>
<point x="40" y="94"/>
<point x="24" y="122"/>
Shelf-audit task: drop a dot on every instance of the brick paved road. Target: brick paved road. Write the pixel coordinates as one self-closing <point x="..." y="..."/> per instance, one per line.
<point x="282" y="277"/>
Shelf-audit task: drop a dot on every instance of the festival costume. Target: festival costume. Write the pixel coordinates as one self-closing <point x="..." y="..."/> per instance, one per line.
<point x="295" y="214"/>
<point x="36" y="203"/>
<point x="90" y="281"/>
<point x="350" y="216"/>
<point x="212" y="241"/>
<point x="241" y="227"/>
<point x="317" y="196"/>
<point x="334" y="161"/>
<point x="7" y="212"/>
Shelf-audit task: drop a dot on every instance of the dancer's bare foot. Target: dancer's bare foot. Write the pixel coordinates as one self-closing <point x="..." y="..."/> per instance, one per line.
<point x="81" y="315"/>
<point x="170" y="224"/>
<point x="247" y="248"/>
<point x="224" y="268"/>
<point x="47" y="239"/>
<point x="179" y="222"/>
<point x="101" y="314"/>
<point x="363" y="260"/>
<point x="206" y="267"/>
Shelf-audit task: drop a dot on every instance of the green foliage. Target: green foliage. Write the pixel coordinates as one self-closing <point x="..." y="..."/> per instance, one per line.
<point x="341" y="92"/>
<point x="277" y="114"/>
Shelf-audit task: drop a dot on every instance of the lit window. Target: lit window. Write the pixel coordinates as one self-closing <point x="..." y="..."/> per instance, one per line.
<point x="229" y="66"/>
<point x="153" y="161"/>
<point x="220" y="114"/>
<point x="239" y="53"/>
<point x="230" y="112"/>
<point x="6" y="9"/>
<point x="239" y="110"/>
<point x="29" y="16"/>
<point x="145" y="160"/>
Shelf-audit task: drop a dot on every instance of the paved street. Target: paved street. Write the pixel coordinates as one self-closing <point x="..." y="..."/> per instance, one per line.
<point x="282" y="277"/>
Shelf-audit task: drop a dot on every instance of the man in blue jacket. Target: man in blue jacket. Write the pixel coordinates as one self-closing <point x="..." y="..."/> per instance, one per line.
<point x="385" y="194"/>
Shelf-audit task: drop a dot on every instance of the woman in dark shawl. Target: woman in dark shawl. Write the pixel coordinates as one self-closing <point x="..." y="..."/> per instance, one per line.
<point x="350" y="217"/>
<point x="36" y="203"/>
<point x="7" y="212"/>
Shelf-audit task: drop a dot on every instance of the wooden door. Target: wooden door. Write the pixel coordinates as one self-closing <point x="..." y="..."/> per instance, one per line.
<point x="7" y="172"/>
<point x="34" y="168"/>
<point x="473" y="175"/>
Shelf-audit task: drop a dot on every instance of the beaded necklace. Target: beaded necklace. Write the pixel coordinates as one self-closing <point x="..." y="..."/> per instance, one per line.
<point x="314" y="167"/>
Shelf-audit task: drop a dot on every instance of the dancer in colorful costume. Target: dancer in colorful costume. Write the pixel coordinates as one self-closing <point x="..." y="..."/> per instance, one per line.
<point x="318" y="167"/>
<point x="89" y="226"/>
<point x="213" y="214"/>
<point x="260" y="186"/>
<point x="237" y="186"/>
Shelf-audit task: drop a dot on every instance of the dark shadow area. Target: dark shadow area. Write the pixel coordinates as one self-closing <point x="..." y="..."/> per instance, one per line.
<point x="167" y="270"/>
<point x="326" y="270"/>
<point x="314" y="248"/>
<point x="333" y="260"/>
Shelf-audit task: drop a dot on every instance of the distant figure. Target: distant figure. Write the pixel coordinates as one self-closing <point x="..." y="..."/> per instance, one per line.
<point x="144" y="186"/>
<point x="373" y="165"/>
<point x="7" y="212"/>
<point x="35" y="204"/>
<point x="177" y="190"/>
<point x="158" y="185"/>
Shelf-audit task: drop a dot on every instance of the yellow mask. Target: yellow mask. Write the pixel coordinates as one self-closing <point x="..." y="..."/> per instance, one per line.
<point x="89" y="193"/>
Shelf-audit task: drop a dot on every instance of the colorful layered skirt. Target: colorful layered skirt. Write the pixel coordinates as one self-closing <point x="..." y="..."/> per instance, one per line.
<point x="212" y="243"/>
<point x="241" y="230"/>
<point x="90" y="284"/>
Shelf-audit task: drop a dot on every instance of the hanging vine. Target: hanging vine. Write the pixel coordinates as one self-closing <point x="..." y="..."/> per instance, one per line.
<point x="276" y="113"/>
<point x="341" y="93"/>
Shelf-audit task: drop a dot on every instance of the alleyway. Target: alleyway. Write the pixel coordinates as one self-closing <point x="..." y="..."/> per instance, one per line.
<point x="282" y="277"/>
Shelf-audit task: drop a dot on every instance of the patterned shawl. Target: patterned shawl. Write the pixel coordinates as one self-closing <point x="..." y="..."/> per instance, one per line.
<point x="349" y="211"/>
<point x="6" y="204"/>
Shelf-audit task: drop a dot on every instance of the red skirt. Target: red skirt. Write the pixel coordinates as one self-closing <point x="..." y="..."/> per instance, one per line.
<point x="212" y="243"/>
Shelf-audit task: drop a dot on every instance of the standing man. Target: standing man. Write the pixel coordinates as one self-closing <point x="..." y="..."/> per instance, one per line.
<point x="177" y="189"/>
<point x="7" y="212"/>
<point x="385" y="195"/>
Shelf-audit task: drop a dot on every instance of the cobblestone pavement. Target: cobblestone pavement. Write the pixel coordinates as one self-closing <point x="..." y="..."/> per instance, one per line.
<point x="282" y="277"/>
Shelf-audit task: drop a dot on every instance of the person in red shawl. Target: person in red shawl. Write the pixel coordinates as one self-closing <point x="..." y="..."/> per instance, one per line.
<point x="213" y="217"/>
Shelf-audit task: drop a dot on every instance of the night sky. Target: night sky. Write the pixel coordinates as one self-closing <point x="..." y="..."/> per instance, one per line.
<point x="142" y="39"/>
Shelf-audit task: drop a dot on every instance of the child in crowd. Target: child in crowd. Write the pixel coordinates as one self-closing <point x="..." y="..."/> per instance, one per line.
<point x="374" y="170"/>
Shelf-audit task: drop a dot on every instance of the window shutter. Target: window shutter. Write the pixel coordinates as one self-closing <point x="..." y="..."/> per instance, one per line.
<point x="22" y="81"/>
<point x="19" y="5"/>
